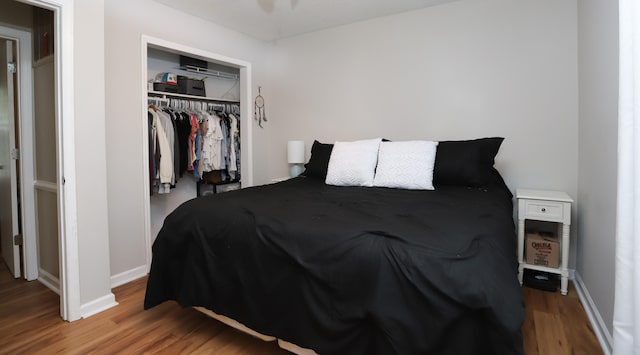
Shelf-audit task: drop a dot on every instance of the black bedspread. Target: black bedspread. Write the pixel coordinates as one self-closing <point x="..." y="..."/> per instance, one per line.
<point x="350" y="270"/>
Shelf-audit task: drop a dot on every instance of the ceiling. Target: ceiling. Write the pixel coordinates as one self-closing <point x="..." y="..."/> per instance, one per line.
<point x="275" y="19"/>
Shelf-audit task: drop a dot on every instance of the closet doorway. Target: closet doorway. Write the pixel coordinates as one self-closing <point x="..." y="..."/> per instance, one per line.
<point x="153" y="214"/>
<point x="40" y="101"/>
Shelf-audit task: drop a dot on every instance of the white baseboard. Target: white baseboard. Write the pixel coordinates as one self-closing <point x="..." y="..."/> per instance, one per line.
<point x="128" y="276"/>
<point x="108" y="301"/>
<point x="598" y="324"/>
<point x="52" y="282"/>
<point x="98" y="305"/>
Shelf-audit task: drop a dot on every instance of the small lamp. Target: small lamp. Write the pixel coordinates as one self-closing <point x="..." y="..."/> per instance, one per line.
<point x="295" y="157"/>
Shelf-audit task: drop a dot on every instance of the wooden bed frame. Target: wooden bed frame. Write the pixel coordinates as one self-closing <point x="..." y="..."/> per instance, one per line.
<point x="243" y="328"/>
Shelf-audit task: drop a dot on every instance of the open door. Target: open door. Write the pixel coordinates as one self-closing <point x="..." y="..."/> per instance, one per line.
<point x="8" y="154"/>
<point x="47" y="188"/>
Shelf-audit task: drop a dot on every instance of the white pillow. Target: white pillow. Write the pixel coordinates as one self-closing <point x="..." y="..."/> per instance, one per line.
<point x="406" y="165"/>
<point x="353" y="163"/>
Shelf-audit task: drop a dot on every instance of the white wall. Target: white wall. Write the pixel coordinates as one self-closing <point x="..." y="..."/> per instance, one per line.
<point x="125" y="23"/>
<point x="598" y="139"/>
<point x="461" y="70"/>
<point x="91" y="168"/>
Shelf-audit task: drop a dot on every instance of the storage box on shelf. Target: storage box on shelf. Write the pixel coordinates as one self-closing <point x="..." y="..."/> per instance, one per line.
<point x="190" y="86"/>
<point x="542" y="249"/>
<point x="164" y="87"/>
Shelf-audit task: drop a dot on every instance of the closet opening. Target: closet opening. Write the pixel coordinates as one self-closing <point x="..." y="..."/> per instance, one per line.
<point x="197" y="111"/>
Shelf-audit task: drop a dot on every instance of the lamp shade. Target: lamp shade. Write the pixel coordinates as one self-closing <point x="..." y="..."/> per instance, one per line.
<point x="295" y="152"/>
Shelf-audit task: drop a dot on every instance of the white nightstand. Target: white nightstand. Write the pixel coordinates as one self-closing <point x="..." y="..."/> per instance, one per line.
<point x="546" y="206"/>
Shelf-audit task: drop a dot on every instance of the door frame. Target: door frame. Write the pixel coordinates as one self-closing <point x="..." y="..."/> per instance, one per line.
<point x="246" y="133"/>
<point x="25" y="130"/>
<point x="63" y="13"/>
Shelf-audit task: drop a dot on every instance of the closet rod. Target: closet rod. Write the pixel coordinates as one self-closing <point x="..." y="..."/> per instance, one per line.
<point x="207" y="71"/>
<point x="165" y="95"/>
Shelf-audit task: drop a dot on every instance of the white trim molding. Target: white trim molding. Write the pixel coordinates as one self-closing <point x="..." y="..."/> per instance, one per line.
<point x="128" y="276"/>
<point x="70" y="304"/>
<point x="46" y="186"/>
<point x="98" y="305"/>
<point x="597" y="323"/>
<point x="52" y="282"/>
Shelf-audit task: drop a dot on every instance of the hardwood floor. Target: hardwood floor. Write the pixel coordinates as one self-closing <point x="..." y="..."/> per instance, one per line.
<point x="31" y="324"/>
<point x="557" y="324"/>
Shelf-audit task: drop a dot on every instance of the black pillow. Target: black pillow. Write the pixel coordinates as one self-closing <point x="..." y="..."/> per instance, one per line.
<point x="466" y="163"/>
<point x="319" y="161"/>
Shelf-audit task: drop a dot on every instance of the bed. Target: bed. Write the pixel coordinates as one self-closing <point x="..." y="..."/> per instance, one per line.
<point x="350" y="269"/>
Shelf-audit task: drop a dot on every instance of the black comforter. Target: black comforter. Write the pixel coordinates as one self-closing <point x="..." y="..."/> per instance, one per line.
<point x="350" y="270"/>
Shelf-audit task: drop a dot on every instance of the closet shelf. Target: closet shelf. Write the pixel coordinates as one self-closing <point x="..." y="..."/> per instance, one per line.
<point x="190" y="97"/>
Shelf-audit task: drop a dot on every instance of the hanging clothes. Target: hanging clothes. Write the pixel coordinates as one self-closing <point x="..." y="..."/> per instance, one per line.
<point x="165" y="166"/>
<point x="153" y="156"/>
<point x="184" y="137"/>
<point x="211" y="144"/>
<point x="234" y="135"/>
<point x="193" y="119"/>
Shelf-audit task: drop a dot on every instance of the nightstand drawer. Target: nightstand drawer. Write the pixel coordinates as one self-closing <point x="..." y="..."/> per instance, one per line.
<point x="544" y="209"/>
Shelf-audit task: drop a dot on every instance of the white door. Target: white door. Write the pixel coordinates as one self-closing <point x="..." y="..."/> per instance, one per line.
<point x="8" y="172"/>
<point x="45" y="187"/>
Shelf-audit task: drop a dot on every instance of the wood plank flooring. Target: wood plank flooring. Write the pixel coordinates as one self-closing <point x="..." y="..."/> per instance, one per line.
<point x="557" y="324"/>
<point x="30" y="323"/>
